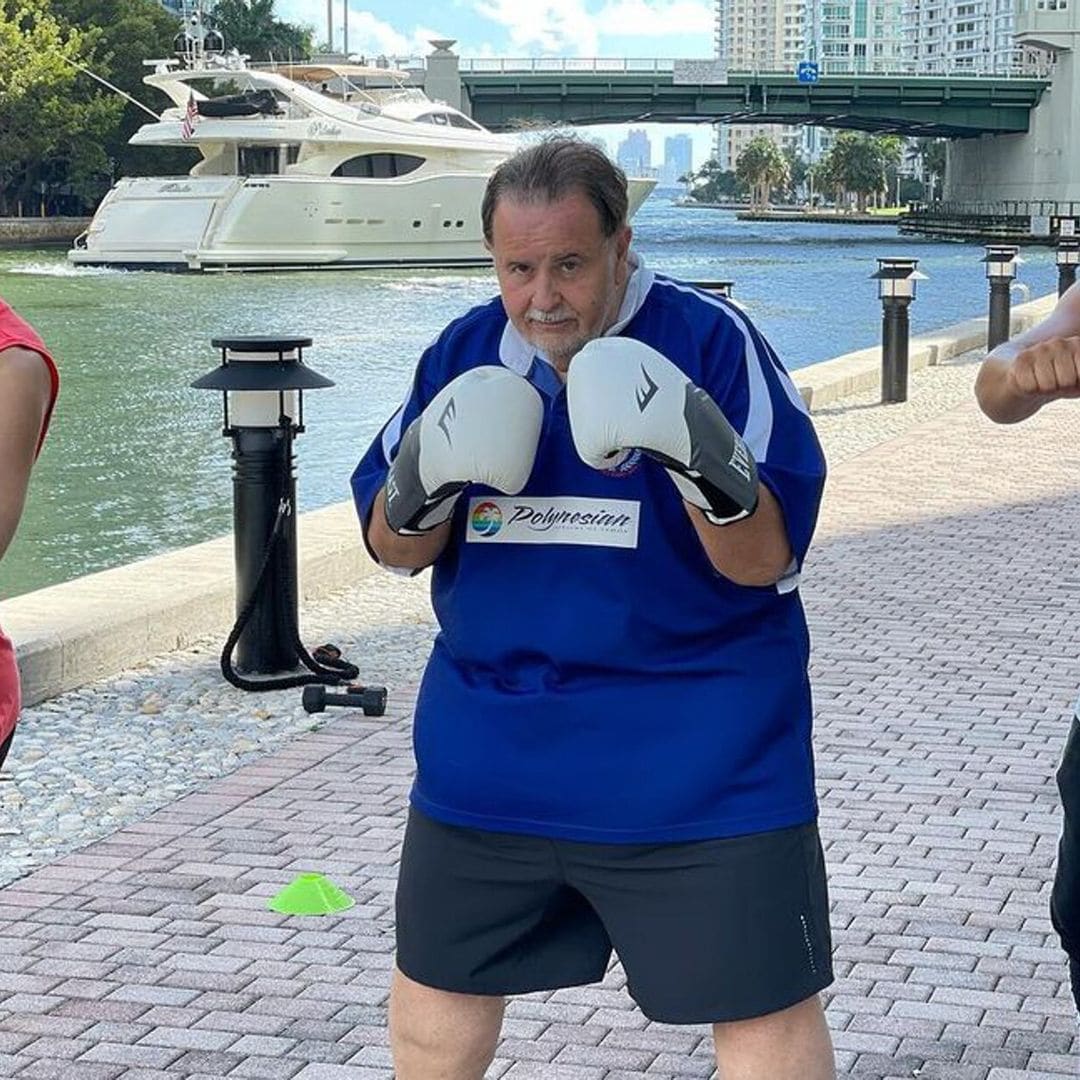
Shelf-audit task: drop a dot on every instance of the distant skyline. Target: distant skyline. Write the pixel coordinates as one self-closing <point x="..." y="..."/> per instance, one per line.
<point x="511" y="28"/>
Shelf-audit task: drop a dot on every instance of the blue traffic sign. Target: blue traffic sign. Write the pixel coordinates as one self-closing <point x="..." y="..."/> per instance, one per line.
<point x="807" y="71"/>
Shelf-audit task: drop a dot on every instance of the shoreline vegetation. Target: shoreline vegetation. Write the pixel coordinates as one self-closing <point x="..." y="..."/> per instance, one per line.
<point x="745" y="212"/>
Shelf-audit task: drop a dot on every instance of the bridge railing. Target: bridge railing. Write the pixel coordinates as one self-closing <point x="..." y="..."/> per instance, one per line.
<point x="1001" y="208"/>
<point x="665" y="66"/>
<point x="535" y="64"/>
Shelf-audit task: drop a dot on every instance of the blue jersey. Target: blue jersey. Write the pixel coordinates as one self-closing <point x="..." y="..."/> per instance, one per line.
<point x="594" y="678"/>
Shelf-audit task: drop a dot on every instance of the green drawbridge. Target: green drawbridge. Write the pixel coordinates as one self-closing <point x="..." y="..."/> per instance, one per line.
<point x="502" y="97"/>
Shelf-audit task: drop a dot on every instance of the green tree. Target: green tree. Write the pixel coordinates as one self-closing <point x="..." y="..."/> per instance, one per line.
<point x="857" y="163"/>
<point x="711" y="184"/>
<point x="929" y="154"/>
<point x="826" y="179"/>
<point x="891" y="148"/>
<point x="49" y="134"/>
<point x="762" y="167"/>
<point x="252" y="27"/>
<point x="124" y="33"/>
<point x="798" y="172"/>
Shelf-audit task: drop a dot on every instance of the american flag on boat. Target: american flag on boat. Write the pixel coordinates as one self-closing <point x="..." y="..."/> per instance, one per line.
<point x="191" y="117"/>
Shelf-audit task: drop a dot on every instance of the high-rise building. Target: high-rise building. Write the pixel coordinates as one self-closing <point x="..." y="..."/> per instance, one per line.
<point x="678" y="159"/>
<point x="951" y="35"/>
<point x="758" y="35"/>
<point x="854" y="35"/>
<point x="634" y="155"/>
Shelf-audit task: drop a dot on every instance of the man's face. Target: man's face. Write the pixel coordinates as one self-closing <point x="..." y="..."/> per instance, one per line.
<point x="561" y="279"/>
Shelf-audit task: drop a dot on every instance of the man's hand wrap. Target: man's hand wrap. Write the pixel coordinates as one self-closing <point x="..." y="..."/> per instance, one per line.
<point x="483" y="427"/>
<point x="622" y="394"/>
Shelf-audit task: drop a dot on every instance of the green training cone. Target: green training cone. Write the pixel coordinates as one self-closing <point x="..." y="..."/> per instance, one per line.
<point x="310" y="894"/>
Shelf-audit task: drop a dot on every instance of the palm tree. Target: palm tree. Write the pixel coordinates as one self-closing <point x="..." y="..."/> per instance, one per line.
<point x="858" y="162"/>
<point x="762" y="167"/>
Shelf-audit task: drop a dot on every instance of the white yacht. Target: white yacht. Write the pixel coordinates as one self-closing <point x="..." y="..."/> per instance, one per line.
<point x="302" y="165"/>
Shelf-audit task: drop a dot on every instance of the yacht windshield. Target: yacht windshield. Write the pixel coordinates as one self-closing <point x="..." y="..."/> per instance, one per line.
<point x="444" y="118"/>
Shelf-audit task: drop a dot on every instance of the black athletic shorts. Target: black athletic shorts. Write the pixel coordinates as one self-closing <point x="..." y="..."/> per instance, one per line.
<point x="708" y="931"/>
<point x="1065" y="899"/>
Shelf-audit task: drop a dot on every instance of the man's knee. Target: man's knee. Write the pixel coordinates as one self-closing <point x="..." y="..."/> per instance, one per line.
<point x="439" y="1033"/>
<point x="791" y="1044"/>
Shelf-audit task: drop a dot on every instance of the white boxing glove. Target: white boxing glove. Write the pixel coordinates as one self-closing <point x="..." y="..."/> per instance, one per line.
<point x="483" y="427"/>
<point x="622" y="394"/>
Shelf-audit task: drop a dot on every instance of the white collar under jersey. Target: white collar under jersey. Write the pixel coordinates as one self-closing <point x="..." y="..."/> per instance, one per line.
<point x="517" y="354"/>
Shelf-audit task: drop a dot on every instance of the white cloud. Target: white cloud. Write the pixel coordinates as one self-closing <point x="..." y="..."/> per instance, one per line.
<point x="368" y="34"/>
<point x="657" y="18"/>
<point x="546" y="26"/>
<point x="565" y="27"/>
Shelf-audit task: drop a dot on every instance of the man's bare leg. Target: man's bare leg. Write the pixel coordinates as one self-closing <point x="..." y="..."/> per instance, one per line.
<point x="439" y="1035"/>
<point x="793" y="1044"/>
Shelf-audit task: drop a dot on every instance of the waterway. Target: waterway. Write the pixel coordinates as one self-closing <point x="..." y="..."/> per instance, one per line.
<point x="135" y="463"/>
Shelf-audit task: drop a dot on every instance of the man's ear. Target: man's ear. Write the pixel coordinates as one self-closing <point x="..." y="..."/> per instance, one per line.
<point x="622" y="248"/>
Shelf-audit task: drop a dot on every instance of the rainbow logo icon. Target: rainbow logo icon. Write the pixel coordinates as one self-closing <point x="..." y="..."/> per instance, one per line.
<point x="487" y="519"/>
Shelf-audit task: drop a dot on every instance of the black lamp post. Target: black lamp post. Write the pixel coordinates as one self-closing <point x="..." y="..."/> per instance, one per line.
<point x="1001" y="263"/>
<point x="896" y="280"/>
<point x="1068" y="256"/>
<point x="262" y="380"/>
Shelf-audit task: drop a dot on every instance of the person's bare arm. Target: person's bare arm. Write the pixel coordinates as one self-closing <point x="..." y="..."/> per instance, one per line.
<point x="753" y="551"/>
<point x="1040" y="365"/>
<point x="25" y="392"/>
<point x="403" y="552"/>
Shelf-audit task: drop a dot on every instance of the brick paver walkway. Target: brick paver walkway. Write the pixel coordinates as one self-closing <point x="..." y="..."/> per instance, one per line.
<point x="944" y="600"/>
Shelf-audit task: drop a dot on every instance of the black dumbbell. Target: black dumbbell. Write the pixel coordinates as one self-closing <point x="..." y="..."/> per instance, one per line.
<point x="372" y="699"/>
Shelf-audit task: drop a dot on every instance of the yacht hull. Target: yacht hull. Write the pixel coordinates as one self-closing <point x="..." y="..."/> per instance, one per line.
<point x="197" y="223"/>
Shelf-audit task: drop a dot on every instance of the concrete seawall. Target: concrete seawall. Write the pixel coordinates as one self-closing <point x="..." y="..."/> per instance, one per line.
<point x="827" y="382"/>
<point x="36" y="232"/>
<point x="69" y="634"/>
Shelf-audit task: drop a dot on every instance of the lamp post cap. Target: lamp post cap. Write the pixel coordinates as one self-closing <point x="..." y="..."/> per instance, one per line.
<point x="262" y="375"/>
<point x="1000" y="253"/>
<point x="268" y="343"/>
<point x="898" y="268"/>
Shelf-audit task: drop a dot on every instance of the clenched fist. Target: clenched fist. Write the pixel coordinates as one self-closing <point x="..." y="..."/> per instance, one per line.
<point x="1050" y="369"/>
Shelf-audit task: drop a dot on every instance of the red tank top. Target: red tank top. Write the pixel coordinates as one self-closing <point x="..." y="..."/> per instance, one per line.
<point x="14" y="331"/>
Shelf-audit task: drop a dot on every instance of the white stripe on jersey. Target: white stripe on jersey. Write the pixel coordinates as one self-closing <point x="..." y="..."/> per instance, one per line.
<point x="757" y="432"/>
<point x="391" y="435"/>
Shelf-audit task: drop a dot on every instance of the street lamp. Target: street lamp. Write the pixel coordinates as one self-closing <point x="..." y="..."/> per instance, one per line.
<point x="262" y="380"/>
<point x="1068" y="256"/>
<point x="1001" y="264"/>
<point x="896" y="280"/>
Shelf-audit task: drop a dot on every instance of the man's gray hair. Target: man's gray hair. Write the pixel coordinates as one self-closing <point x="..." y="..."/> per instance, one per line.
<point x="554" y="168"/>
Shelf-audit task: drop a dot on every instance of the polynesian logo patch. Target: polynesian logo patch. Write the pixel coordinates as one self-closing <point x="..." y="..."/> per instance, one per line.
<point x="486" y="518"/>
<point x="565" y="519"/>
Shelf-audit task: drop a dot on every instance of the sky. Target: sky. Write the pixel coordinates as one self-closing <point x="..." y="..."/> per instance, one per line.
<point x="527" y="28"/>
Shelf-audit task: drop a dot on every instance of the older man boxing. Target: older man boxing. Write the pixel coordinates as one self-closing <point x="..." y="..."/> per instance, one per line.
<point x="615" y="484"/>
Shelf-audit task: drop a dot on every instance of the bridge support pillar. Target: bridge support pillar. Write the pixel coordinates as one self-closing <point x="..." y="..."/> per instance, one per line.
<point x="1042" y="164"/>
<point x="442" y="79"/>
